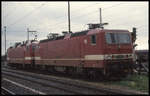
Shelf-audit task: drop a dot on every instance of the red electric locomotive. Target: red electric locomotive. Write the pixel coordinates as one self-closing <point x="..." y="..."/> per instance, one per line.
<point x="15" y="55"/>
<point x="21" y="54"/>
<point x="95" y="51"/>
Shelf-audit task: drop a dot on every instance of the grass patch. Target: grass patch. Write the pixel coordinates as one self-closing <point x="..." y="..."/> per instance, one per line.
<point x="136" y="82"/>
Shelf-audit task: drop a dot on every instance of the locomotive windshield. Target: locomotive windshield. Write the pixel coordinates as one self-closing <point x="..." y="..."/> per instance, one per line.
<point x="118" y="38"/>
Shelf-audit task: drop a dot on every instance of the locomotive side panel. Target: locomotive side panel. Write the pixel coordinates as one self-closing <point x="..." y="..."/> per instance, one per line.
<point x="74" y="48"/>
<point x="16" y="55"/>
<point x="13" y="56"/>
<point x="92" y="48"/>
<point x="94" y="64"/>
<point x="28" y="57"/>
<point x="37" y="56"/>
<point x="57" y="48"/>
<point x="70" y="52"/>
<point x="61" y="52"/>
<point x="43" y="51"/>
<point x="19" y="55"/>
<point x="9" y="55"/>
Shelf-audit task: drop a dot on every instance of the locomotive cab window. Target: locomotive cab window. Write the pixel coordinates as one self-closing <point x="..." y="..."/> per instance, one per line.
<point x="118" y="38"/>
<point x="93" y="39"/>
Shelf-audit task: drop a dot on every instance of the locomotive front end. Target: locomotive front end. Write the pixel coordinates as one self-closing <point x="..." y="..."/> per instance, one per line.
<point x="118" y="58"/>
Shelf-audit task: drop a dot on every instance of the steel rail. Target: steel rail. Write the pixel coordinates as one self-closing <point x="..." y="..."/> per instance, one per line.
<point x="52" y="85"/>
<point x="5" y="91"/>
<point x="71" y="88"/>
<point x="73" y="84"/>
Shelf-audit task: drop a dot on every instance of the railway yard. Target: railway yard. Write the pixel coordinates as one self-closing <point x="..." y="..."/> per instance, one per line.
<point x="15" y="81"/>
<point x="75" y="61"/>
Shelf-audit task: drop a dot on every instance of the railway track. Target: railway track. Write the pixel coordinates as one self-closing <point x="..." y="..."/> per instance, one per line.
<point x="69" y="86"/>
<point x="5" y="91"/>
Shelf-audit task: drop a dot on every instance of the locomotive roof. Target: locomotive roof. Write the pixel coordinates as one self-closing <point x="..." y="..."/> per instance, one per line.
<point x="62" y="37"/>
<point x="117" y="30"/>
<point x="103" y="30"/>
<point x="81" y="33"/>
<point x="57" y="38"/>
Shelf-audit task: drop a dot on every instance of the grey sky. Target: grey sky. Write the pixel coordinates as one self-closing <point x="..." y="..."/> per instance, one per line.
<point x="46" y="17"/>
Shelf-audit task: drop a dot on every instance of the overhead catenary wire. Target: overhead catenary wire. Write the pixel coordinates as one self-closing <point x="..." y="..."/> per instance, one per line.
<point x="104" y="8"/>
<point x="122" y="23"/>
<point x="72" y="12"/>
<point x="9" y="14"/>
<point x="106" y="17"/>
<point x="76" y="10"/>
<point x="27" y="15"/>
<point x="93" y="12"/>
<point x="96" y="10"/>
<point x="86" y="14"/>
<point x="55" y="24"/>
<point x="113" y="20"/>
